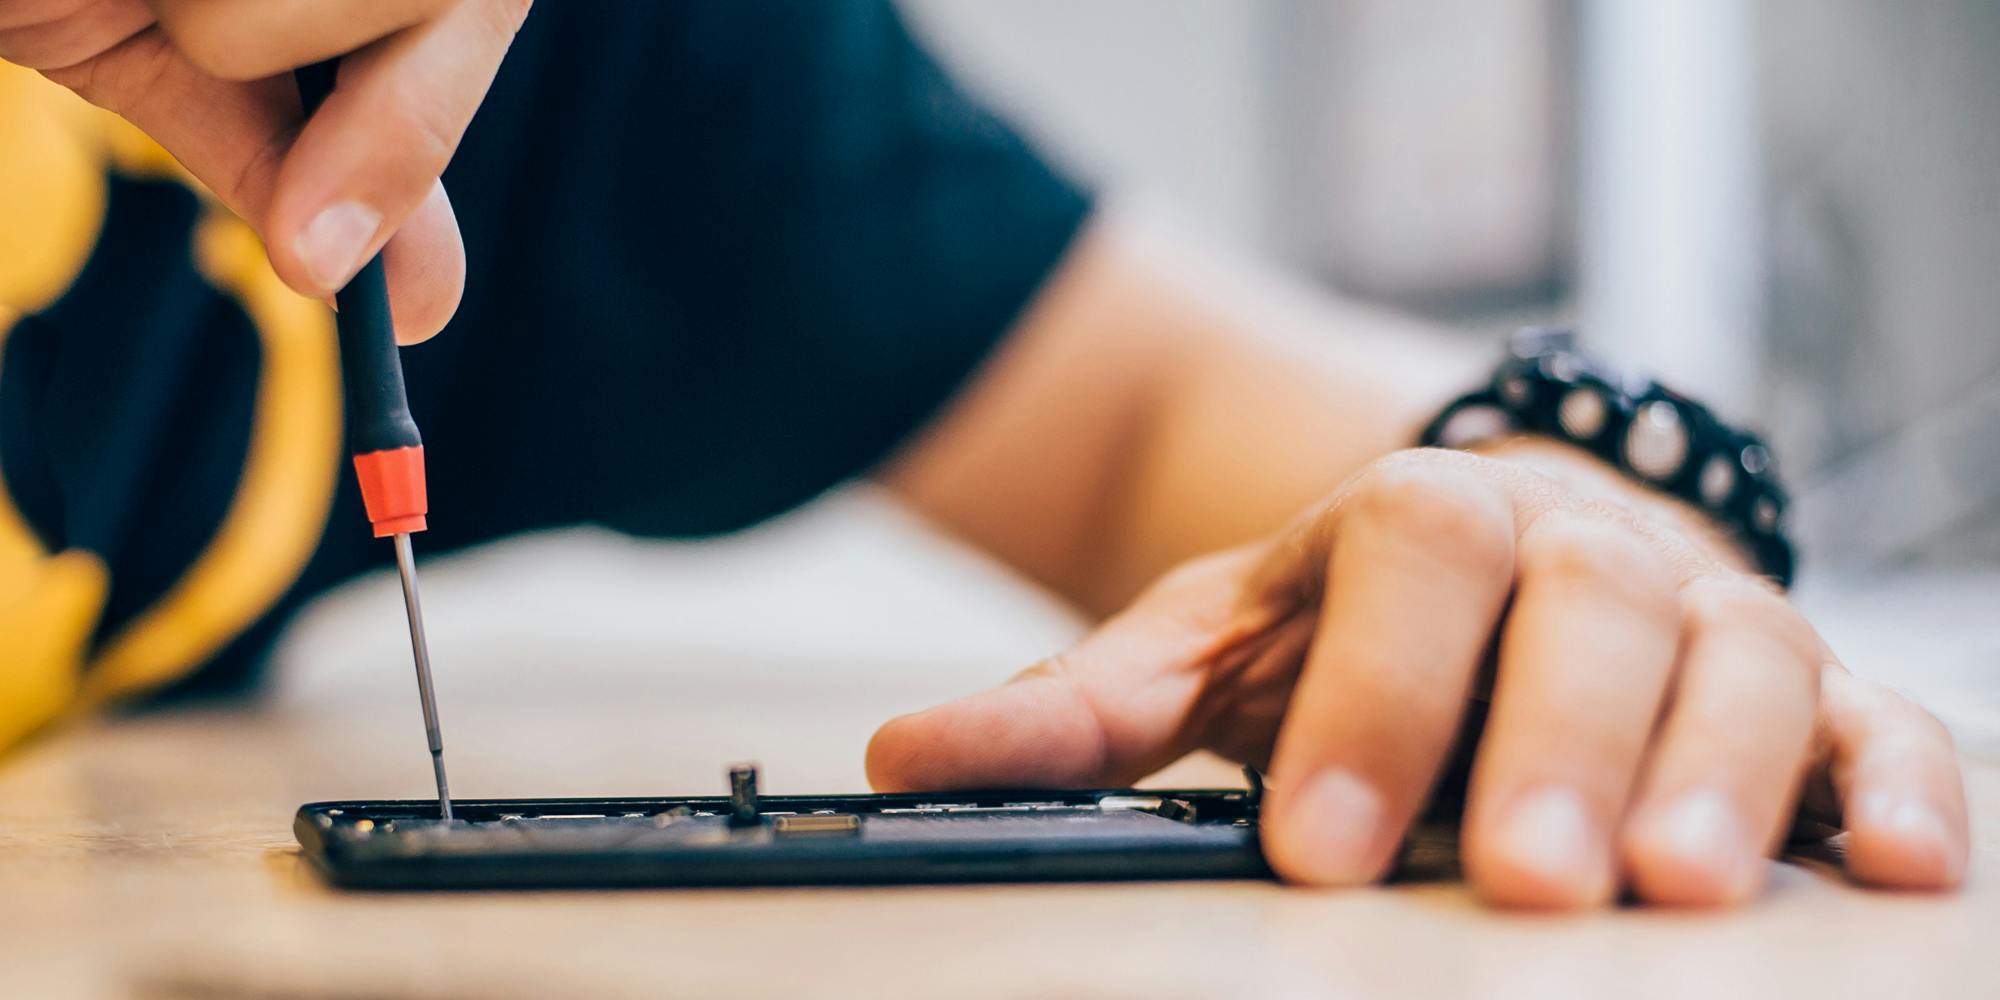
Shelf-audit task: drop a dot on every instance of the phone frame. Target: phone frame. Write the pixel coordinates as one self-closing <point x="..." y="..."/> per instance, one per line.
<point x="983" y="836"/>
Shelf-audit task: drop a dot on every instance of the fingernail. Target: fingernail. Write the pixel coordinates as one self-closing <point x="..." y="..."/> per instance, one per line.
<point x="1550" y="835"/>
<point x="332" y="244"/>
<point x="1702" y="828"/>
<point x="1332" y="827"/>
<point x="1914" y="820"/>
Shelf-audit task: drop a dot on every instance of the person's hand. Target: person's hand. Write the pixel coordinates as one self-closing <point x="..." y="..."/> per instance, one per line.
<point x="1659" y="718"/>
<point x="209" y="81"/>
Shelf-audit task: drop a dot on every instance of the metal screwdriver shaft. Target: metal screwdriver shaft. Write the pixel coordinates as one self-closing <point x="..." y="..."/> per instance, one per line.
<point x="406" y="566"/>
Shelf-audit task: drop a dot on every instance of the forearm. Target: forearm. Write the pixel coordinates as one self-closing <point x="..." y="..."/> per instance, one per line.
<point x="1159" y="401"/>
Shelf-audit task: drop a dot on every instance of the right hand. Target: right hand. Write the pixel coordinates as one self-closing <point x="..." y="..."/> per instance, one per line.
<point x="1657" y="717"/>
<point x="209" y="80"/>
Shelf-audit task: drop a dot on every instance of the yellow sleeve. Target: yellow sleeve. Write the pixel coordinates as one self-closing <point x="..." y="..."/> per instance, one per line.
<point x="52" y="205"/>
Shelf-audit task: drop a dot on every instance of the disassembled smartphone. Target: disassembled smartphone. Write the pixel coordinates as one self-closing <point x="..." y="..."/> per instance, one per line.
<point x="743" y="840"/>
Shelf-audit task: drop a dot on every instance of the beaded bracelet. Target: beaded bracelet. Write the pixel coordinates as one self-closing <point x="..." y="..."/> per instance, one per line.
<point x="1650" y="433"/>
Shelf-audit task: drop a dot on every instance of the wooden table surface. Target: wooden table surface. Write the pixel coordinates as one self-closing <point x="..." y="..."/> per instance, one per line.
<point x="152" y="856"/>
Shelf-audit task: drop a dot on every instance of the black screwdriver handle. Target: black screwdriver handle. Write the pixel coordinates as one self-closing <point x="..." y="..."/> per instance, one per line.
<point x="378" y="409"/>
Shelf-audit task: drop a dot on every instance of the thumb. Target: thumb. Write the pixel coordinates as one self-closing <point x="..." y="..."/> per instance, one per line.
<point x="369" y="159"/>
<point x="1121" y="704"/>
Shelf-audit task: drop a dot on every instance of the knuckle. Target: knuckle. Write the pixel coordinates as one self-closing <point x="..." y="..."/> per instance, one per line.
<point x="1576" y="551"/>
<point x="1890" y="708"/>
<point x="426" y="133"/>
<point x="1739" y="604"/>
<point x="1440" y="508"/>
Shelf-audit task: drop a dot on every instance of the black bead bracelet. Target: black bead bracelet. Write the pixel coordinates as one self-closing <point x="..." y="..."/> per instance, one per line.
<point x="1652" y="434"/>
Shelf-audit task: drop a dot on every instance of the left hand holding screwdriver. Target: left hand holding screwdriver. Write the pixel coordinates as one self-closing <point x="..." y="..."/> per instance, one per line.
<point x="208" y="80"/>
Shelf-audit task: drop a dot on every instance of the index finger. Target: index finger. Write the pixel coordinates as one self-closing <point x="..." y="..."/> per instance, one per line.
<point x="1421" y="567"/>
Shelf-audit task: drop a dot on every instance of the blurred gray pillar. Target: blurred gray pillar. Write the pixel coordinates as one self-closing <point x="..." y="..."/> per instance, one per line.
<point x="1668" y="237"/>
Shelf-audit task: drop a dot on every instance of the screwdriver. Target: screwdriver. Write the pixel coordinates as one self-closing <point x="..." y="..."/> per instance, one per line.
<point x="388" y="452"/>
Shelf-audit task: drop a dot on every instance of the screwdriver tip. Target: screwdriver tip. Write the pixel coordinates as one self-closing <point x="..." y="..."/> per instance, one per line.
<point x="444" y="789"/>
